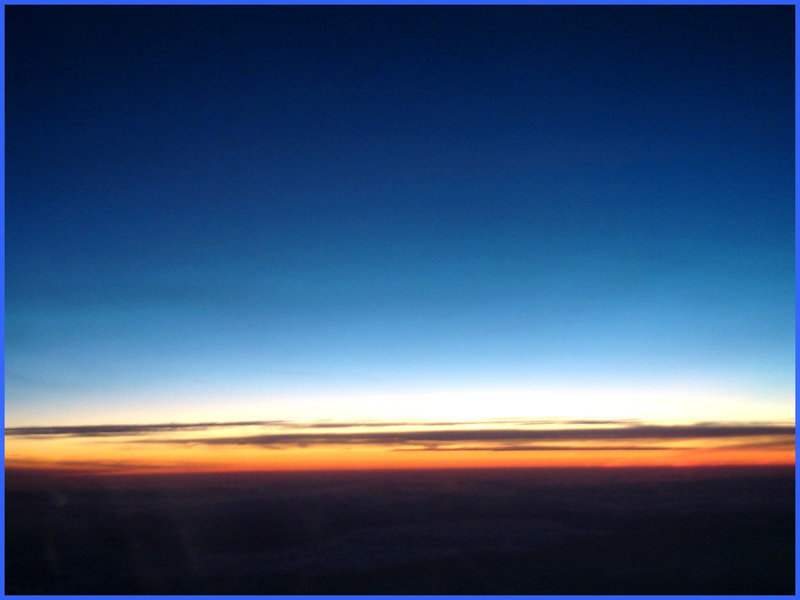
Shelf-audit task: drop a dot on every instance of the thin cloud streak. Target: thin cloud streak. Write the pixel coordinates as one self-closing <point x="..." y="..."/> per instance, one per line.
<point x="522" y="448"/>
<point x="116" y="430"/>
<point x="573" y="435"/>
<point x="148" y="428"/>
<point x="510" y="436"/>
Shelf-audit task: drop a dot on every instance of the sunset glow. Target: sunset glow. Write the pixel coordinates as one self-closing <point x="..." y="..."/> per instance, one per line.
<point x="286" y="446"/>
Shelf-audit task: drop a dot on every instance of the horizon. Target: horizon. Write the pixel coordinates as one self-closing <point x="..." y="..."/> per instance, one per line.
<point x="289" y="445"/>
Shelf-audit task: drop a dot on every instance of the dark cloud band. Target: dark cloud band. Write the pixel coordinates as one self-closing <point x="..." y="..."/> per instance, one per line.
<point x="508" y="436"/>
<point x="533" y="448"/>
<point x="632" y="434"/>
<point x="114" y="430"/>
<point x="148" y="428"/>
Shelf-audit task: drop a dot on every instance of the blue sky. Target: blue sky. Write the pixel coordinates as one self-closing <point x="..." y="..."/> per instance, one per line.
<point x="228" y="207"/>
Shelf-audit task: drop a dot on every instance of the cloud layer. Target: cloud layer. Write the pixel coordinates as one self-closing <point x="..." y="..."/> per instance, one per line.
<point x="149" y="428"/>
<point x="505" y="436"/>
<point x="528" y="435"/>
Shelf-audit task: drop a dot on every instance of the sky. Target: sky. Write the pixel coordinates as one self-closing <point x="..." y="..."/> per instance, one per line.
<point x="305" y="217"/>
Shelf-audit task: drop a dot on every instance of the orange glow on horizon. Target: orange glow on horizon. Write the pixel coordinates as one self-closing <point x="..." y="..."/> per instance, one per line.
<point x="121" y="457"/>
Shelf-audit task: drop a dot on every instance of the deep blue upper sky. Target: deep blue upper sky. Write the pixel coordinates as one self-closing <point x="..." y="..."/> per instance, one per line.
<point x="267" y="200"/>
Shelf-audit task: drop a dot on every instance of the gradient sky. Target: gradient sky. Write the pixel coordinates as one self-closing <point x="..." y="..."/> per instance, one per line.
<point x="343" y="213"/>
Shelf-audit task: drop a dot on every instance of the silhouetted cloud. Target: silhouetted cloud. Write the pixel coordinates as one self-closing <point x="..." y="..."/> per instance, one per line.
<point x="526" y="448"/>
<point x="509" y="436"/>
<point x="571" y="435"/>
<point x="92" y="466"/>
<point x="115" y="430"/>
<point x="774" y="442"/>
<point x="147" y="428"/>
